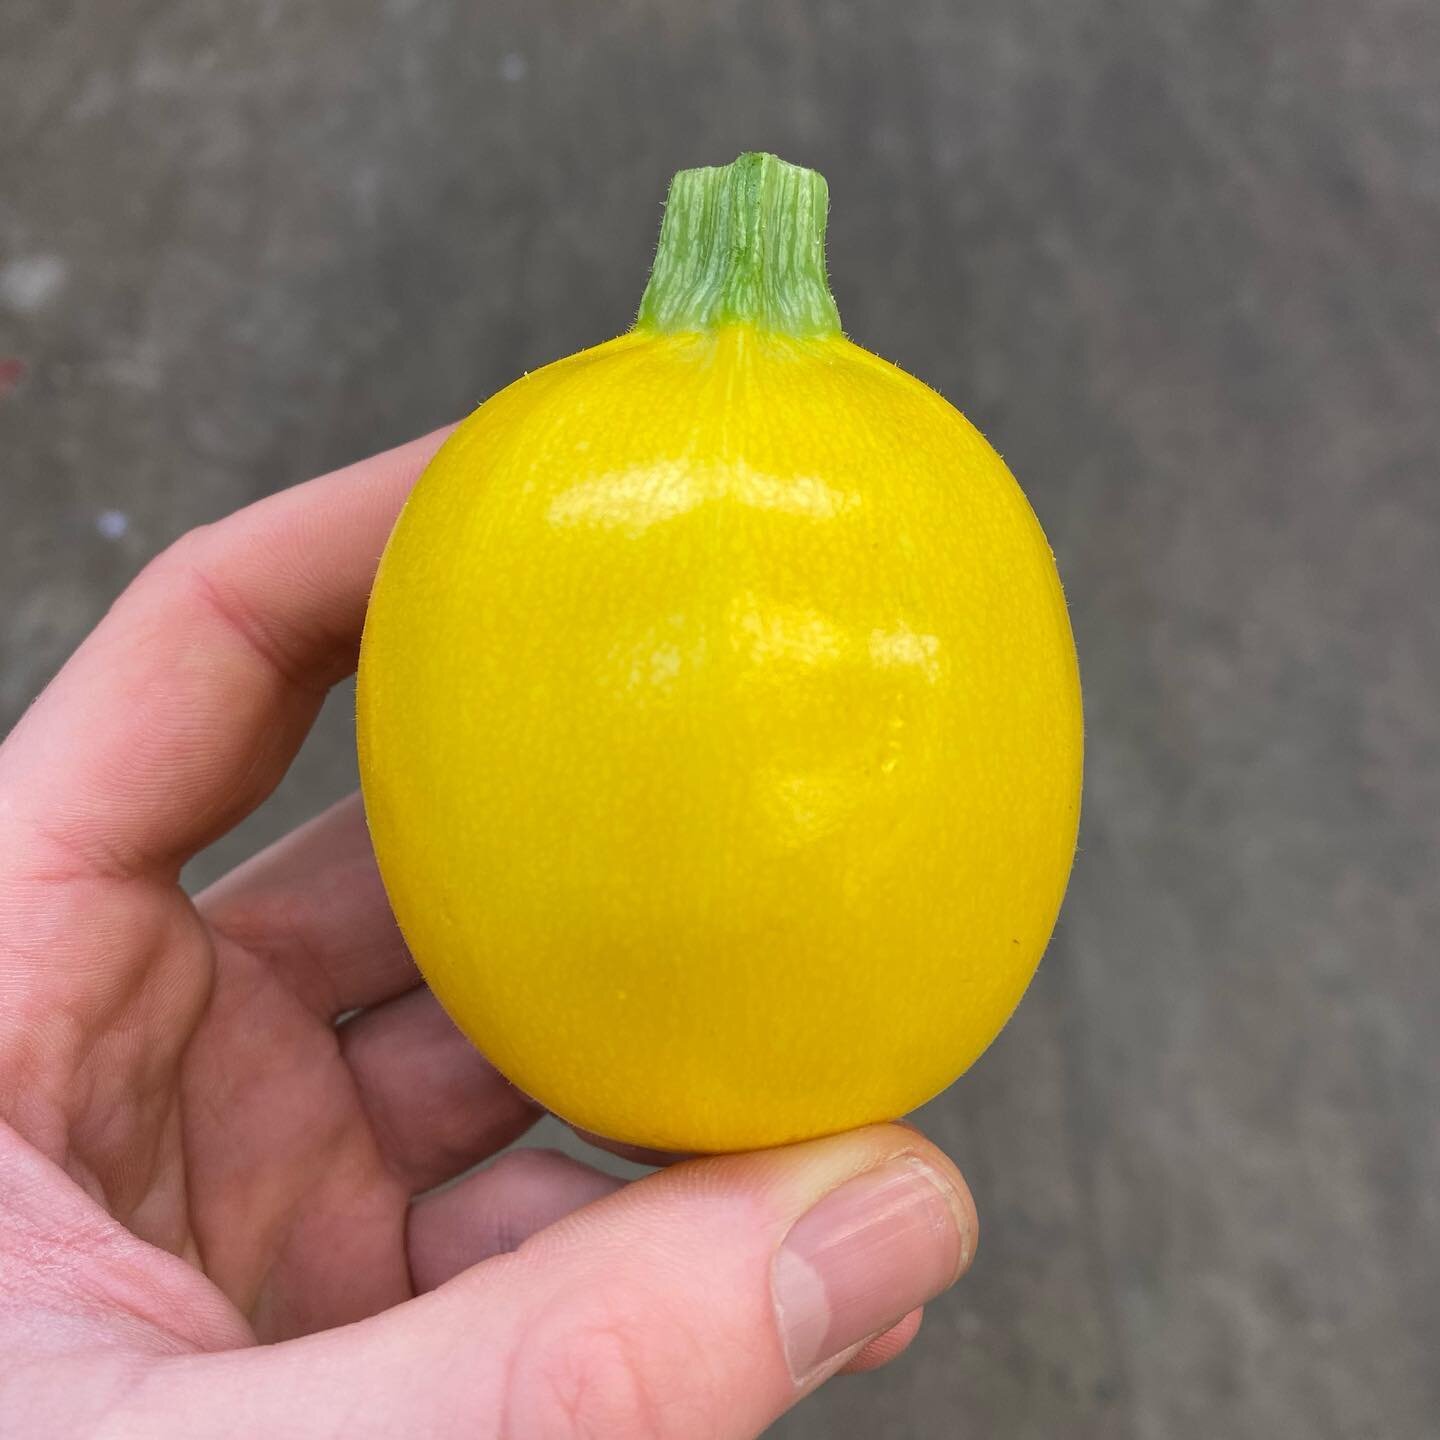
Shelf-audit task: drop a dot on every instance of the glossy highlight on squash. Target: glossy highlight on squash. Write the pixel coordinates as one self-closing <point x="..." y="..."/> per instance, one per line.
<point x="719" y="717"/>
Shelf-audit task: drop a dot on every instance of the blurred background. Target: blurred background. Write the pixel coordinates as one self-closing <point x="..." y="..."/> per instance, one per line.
<point x="1179" y="261"/>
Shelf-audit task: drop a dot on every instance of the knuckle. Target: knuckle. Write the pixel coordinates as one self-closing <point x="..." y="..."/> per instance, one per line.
<point x="179" y="559"/>
<point x="191" y="573"/>
<point x="609" y="1372"/>
<point x="596" y="1384"/>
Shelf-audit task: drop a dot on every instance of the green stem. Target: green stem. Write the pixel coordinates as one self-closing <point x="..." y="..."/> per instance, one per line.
<point x="742" y="244"/>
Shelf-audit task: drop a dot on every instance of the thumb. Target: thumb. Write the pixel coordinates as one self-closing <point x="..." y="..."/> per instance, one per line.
<point x="702" y="1301"/>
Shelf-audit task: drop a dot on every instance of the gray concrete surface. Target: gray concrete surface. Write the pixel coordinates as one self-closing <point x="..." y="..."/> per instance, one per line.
<point x="1181" y="261"/>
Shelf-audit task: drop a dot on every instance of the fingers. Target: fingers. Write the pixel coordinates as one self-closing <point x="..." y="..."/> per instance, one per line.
<point x="492" y="1212"/>
<point x="312" y="906"/>
<point x="884" y="1348"/>
<point x="181" y="711"/>
<point x="436" y="1105"/>
<point x="703" y="1300"/>
<point x="636" y="1154"/>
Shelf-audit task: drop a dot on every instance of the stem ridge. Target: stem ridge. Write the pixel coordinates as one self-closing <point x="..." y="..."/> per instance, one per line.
<point x="743" y="244"/>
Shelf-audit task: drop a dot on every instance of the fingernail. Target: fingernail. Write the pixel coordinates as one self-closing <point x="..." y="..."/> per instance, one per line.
<point x="865" y="1256"/>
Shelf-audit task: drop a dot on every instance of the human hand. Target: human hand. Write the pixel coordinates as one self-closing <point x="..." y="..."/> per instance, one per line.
<point x="197" y="1155"/>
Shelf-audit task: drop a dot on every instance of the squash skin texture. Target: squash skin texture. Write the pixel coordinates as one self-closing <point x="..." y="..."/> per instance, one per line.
<point x="720" y="737"/>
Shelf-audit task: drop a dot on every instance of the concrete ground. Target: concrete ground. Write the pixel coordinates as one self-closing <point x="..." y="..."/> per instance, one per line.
<point x="1180" y="261"/>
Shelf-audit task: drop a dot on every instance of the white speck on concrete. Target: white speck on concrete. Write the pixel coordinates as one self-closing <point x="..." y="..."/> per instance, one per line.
<point x="31" y="282"/>
<point x="514" y="67"/>
<point x="112" y="524"/>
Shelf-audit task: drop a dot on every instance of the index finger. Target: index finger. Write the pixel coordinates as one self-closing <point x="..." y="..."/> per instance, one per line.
<point x="184" y="707"/>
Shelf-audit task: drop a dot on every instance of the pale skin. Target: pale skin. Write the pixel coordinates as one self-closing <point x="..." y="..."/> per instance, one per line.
<point x="214" y="1218"/>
